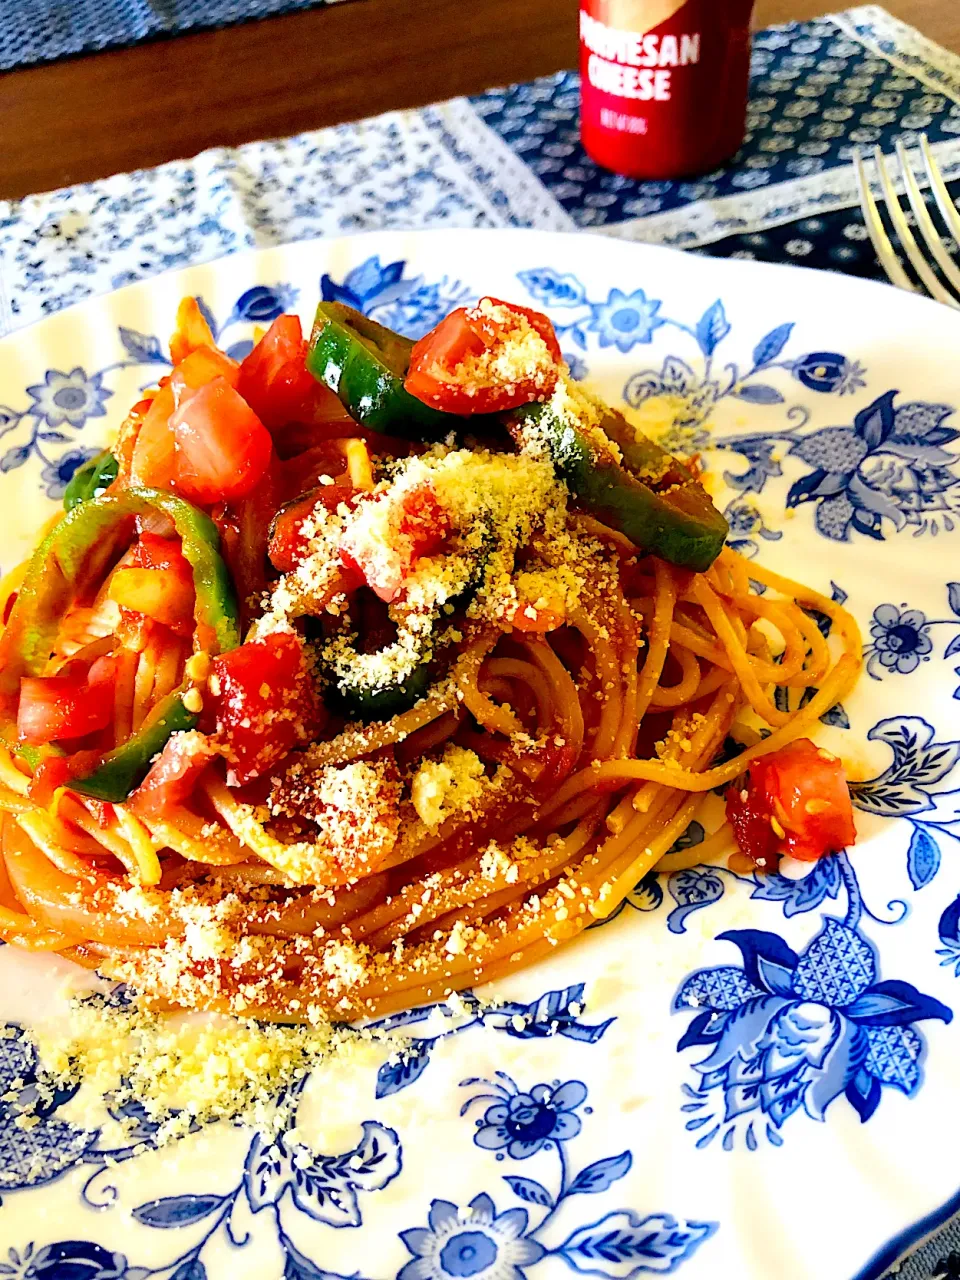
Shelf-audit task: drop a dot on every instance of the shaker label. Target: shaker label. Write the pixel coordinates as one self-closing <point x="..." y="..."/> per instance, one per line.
<point x="635" y="50"/>
<point x="621" y="62"/>
<point x="622" y="123"/>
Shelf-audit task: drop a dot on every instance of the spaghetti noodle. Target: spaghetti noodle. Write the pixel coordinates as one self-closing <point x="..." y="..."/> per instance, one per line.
<point x="468" y="715"/>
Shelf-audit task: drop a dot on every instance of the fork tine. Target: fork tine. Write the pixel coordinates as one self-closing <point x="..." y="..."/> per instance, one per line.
<point x="928" y="230"/>
<point x="878" y="232"/>
<point x="939" y="189"/>
<point x="905" y="235"/>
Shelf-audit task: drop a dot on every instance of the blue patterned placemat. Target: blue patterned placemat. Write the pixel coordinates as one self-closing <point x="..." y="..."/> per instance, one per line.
<point x="33" y="31"/>
<point x="512" y="157"/>
<point x="508" y="157"/>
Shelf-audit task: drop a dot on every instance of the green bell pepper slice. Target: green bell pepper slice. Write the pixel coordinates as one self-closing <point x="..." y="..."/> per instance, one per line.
<point x="73" y="557"/>
<point x="362" y="702"/>
<point x="365" y="365"/>
<point x="651" y="498"/>
<point x="90" y="480"/>
<point x="121" y="771"/>
<point x="78" y="551"/>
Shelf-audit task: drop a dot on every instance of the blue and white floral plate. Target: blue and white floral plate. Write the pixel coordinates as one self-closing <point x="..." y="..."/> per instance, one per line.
<point x="737" y="1076"/>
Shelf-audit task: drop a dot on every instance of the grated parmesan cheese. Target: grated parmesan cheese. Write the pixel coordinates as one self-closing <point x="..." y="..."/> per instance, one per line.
<point x="185" y="1071"/>
<point x="441" y="788"/>
<point x="519" y="357"/>
<point x="571" y="402"/>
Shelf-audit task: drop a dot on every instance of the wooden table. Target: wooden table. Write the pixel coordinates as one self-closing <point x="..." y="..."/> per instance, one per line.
<point x="87" y="117"/>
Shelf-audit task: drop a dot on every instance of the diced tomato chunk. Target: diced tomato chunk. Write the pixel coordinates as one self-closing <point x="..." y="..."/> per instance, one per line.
<point x="222" y="447"/>
<point x="127" y="439"/>
<point x="795" y="802"/>
<point x="464" y="365"/>
<point x="451" y="342"/>
<point x="154" y="552"/>
<point x="67" y="706"/>
<point x="199" y="368"/>
<point x="276" y="384"/>
<point x="173" y="775"/>
<point x="423" y="519"/>
<point x="153" y="461"/>
<point x="418" y="523"/>
<point x="287" y="545"/>
<point x="263" y="704"/>
<point x="50" y="774"/>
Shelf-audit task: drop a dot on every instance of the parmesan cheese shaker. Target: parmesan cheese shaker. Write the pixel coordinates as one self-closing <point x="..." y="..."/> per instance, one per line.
<point x="663" y="83"/>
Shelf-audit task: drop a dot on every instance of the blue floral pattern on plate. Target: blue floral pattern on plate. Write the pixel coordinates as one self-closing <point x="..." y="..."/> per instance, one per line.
<point x="476" y="1241"/>
<point x="890" y="464"/>
<point x="789" y="1031"/>
<point x="900" y="637"/>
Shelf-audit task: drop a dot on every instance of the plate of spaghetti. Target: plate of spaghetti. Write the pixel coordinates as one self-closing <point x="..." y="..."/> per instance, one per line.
<point x="468" y="698"/>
